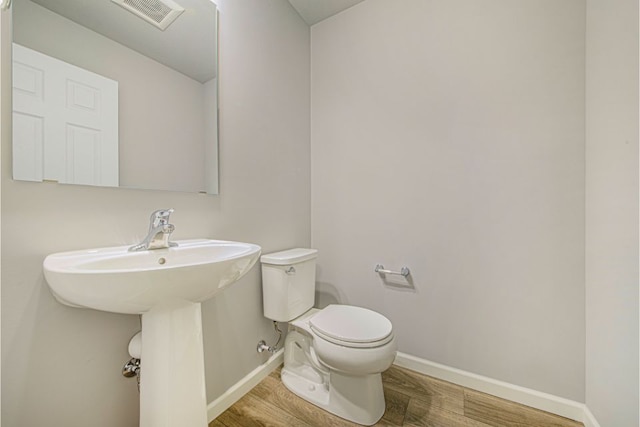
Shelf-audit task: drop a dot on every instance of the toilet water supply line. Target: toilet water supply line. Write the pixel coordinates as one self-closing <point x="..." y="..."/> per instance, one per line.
<point x="262" y="345"/>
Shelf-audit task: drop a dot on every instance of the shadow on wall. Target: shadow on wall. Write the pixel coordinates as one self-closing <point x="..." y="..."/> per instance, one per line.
<point x="326" y="294"/>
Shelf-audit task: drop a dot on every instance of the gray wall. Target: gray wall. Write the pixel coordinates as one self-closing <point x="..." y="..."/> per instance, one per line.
<point x="448" y="136"/>
<point x="60" y="365"/>
<point x="612" y="212"/>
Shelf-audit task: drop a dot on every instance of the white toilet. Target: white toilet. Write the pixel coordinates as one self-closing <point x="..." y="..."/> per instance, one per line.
<point x="332" y="357"/>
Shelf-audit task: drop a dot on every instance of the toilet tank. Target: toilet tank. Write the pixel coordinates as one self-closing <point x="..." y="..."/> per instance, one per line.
<point x="288" y="283"/>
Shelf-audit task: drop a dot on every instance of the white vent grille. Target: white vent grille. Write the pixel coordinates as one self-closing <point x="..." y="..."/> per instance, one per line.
<point x="159" y="13"/>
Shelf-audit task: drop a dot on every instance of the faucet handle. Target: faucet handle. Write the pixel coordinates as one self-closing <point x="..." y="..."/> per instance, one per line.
<point x="159" y="217"/>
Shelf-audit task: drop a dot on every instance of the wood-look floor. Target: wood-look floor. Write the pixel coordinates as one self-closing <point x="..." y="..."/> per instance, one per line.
<point x="411" y="400"/>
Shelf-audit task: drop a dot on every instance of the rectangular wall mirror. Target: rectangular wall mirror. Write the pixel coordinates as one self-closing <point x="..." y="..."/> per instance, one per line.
<point x="116" y="93"/>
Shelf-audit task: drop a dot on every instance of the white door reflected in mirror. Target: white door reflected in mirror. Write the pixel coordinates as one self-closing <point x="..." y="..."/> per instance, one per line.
<point x="65" y="122"/>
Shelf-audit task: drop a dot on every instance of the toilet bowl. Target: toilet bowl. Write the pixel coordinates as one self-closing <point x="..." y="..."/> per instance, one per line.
<point x="333" y="357"/>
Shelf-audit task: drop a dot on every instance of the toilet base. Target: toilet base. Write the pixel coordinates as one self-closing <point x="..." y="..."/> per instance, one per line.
<point x="359" y="399"/>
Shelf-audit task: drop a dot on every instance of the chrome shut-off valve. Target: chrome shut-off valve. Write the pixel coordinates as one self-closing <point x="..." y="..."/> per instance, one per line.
<point x="262" y="344"/>
<point x="131" y="368"/>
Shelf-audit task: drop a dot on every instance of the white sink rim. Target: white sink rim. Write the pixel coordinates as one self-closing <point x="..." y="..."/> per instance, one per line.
<point x="96" y="279"/>
<point x="81" y="261"/>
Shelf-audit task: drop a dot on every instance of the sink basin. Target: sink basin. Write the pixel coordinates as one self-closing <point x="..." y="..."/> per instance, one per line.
<point x="115" y="280"/>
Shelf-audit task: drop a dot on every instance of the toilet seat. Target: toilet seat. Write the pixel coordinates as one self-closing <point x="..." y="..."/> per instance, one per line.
<point x="350" y="326"/>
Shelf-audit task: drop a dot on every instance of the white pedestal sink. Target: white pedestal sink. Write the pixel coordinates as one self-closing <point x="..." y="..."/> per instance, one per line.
<point x="165" y="286"/>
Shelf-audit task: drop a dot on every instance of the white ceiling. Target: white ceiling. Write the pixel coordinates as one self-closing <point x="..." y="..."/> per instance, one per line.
<point x="188" y="45"/>
<point x="314" y="11"/>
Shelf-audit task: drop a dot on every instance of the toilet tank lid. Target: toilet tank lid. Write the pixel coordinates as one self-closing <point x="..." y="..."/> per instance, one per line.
<point x="290" y="256"/>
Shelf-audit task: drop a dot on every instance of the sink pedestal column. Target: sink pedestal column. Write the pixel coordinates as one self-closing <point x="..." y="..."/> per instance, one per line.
<point x="172" y="387"/>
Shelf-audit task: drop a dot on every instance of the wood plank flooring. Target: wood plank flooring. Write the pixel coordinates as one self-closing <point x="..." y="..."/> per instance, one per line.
<point x="411" y="400"/>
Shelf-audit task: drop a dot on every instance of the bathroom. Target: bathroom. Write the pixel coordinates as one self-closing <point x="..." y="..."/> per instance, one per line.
<point x="491" y="146"/>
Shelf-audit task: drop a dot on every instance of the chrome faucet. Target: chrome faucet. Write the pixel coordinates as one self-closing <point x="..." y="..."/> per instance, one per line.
<point x="159" y="232"/>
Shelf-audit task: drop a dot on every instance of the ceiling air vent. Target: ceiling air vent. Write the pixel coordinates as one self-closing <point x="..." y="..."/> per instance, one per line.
<point x="159" y="13"/>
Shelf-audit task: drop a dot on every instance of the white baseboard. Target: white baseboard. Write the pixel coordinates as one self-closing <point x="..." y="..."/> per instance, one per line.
<point x="242" y="387"/>
<point x="546" y="402"/>
<point x="589" y="420"/>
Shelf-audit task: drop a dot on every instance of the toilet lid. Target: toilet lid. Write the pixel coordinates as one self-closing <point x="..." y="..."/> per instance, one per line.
<point x="351" y="324"/>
